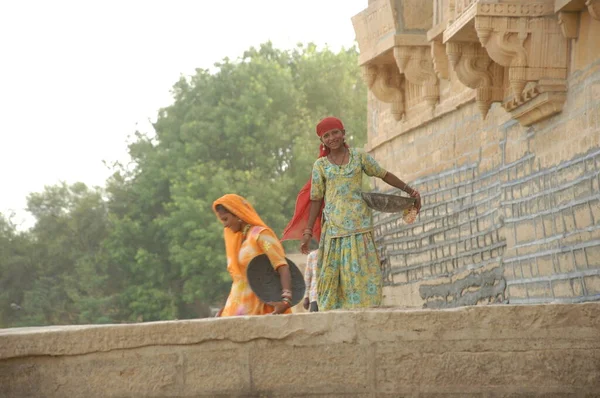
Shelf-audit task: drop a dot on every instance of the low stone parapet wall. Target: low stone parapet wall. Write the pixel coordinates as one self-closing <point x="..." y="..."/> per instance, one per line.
<point x="496" y="350"/>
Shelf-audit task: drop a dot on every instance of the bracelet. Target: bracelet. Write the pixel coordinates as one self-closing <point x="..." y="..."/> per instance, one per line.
<point x="287" y="301"/>
<point x="412" y="190"/>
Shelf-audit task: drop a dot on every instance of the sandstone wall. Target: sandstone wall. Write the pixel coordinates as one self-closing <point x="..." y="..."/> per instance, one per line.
<point x="508" y="166"/>
<point x="492" y="351"/>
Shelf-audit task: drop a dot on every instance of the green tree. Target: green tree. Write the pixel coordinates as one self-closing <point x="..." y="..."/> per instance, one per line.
<point x="17" y="272"/>
<point x="148" y="246"/>
<point x="70" y="280"/>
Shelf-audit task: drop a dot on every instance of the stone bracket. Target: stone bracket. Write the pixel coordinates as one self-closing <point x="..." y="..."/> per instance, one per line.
<point x="593" y="8"/>
<point x="569" y="23"/>
<point x="440" y="60"/>
<point x="532" y="48"/>
<point x="475" y="69"/>
<point x="387" y="84"/>
<point x="416" y="63"/>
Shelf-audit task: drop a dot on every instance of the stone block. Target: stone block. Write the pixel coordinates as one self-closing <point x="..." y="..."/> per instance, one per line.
<point x="592" y="284"/>
<point x="510" y="235"/>
<point x="562" y="288"/>
<point x="568" y="219"/>
<point x="539" y="290"/>
<point x="509" y="272"/>
<point x="577" y="284"/>
<point x="595" y="209"/>
<point x="549" y="225"/>
<point x="565" y="262"/>
<point x="592" y="254"/>
<point x="546" y="265"/>
<point x="580" y="258"/>
<point x="525" y="231"/>
<point x="526" y="269"/>
<point x="206" y="368"/>
<point x="332" y="368"/>
<point x="583" y="216"/>
<point x="517" y="292"/>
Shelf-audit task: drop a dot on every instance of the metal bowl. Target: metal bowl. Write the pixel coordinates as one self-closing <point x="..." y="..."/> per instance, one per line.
<point x="387" y="203"/>
<point x="266" y="284"/>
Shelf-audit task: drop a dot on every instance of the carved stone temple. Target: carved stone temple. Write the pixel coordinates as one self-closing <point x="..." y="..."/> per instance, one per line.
<point x="492" y="109"/>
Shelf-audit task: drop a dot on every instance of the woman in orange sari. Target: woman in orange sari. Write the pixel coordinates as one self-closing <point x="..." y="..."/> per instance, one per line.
<point x="247" y="236"/>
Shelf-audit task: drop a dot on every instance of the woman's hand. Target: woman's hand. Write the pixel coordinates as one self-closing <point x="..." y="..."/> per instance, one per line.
<point x="415" y="194"/>
<point x="306" y="303"/>
<point x="218" y="314"/>
<point x="304" y="243"/>
<point x="280" y="307"/>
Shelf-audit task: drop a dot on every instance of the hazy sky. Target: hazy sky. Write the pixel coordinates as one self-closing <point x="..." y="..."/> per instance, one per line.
<point x="78" y="77"/>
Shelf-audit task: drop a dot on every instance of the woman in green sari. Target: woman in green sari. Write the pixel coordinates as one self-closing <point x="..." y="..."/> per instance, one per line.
<point x="349" y="274"/>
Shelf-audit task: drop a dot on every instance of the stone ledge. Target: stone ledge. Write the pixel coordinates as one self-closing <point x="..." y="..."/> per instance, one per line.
<point x="519" y="350"/>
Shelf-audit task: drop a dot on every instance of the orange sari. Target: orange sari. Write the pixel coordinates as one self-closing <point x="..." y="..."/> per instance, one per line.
<point x="241" y="249"/>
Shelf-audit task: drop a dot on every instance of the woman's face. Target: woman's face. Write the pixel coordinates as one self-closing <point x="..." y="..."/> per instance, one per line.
<point x="333" y="139"/>
<point x="230" y="221"/>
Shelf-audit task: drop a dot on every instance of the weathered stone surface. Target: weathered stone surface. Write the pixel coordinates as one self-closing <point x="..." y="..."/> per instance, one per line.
<point x="498" y="350"/>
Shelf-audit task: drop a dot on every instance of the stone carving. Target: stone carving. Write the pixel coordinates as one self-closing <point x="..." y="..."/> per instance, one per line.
<point x="594" y="8"/>
<point x="506" y="48"/>
<point x="387" y="84"/>
<point x="443" y="10"/>
<point x="532" y="49"/>
<point x="416" y="64"/>
<point x="568" y="22"/>
<point x="475" y="69"/>
<point x="375" y="28"/>
<point x="527" y="39"/>
<point x="509" y="51"/>
<point x="440" y="60"/>
<point x="543" y="99"/>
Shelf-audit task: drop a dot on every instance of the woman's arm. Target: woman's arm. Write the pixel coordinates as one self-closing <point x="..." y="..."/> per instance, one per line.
<point x="286" y="277"/>
<point x="394" y="181"/>
<point x="315" y="206"/>
<point x="373" y="169"/>
<point x="271" y="246"/>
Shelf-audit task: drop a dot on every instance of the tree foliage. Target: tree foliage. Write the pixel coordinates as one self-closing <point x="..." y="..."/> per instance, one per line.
<point x="147" y="246"/>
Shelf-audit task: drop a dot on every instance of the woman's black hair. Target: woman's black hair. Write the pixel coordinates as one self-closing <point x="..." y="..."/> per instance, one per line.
<point x="222" y="209"/>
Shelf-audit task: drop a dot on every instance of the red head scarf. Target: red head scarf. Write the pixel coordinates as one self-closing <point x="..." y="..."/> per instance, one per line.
<point x="325" y="125"/>
<point x="299" y="221"/>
